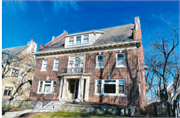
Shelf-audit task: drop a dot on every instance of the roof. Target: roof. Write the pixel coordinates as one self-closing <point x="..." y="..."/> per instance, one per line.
<point x="118" y="34"/>
<point x="12" y="52"/>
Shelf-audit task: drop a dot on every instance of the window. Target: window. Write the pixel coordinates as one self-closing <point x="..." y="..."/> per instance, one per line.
<point x="14" y="72"/>
<point x="139" y="87"/>
<point x="121" y="86"/>
<point x="100" y="61"/>
<point x="120" y="60"/>
<point x="110" y="87"/>
<point x="77" y="64"/>
<point x="8" y="91"/>
<point x="78" y="39"/>
<point x="54" y="86"/>
<point x="56" y="64"/>
<point x="44" y="66"/>
<point x="86" y="38"/>
<point x="47" y="86"/>
<point x="71" y="40"/>
<point x="98" y="86"/>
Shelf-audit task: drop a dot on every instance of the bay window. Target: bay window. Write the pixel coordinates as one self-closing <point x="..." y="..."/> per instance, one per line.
<point x="47" y="86"/>
<point x="110" y="87"/>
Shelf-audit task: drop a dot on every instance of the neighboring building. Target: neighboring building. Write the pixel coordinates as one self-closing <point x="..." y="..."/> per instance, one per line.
<point x="17" y="67"/>
<point x="105" y="65"/>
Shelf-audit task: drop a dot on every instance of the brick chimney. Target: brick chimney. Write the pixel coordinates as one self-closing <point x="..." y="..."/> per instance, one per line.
<point x="41" y="46"/>
<point x="137" y="29"/>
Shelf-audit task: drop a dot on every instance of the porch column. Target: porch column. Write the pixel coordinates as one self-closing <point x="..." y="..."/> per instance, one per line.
<point x="60" y="88"/>
<point x="79" y="89"/>
<point x="87" y="90"/>
<point x="64" y="89"/>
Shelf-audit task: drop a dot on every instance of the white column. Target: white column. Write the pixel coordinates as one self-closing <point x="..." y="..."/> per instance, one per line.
<point x="60" y="88"/>
<point x="64" y="89"/>
<point x="87" y="90"/>
<point x="79" y="89"/>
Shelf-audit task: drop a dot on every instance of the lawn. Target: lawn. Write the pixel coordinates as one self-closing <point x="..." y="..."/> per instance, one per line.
<point x="69" y="114"/>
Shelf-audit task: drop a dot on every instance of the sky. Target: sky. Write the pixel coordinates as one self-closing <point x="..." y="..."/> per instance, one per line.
<point x="40" y="20"/>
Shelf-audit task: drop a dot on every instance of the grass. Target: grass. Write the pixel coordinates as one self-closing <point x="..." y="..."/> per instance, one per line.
<point x="69" y="114"/>
<point x="18" y="108"/>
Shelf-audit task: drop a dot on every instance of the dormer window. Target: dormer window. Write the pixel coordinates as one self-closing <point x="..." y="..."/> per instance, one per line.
<point x="86" y="38"/>
<point x="71" y="40"/>
<point x="78" y="39"/>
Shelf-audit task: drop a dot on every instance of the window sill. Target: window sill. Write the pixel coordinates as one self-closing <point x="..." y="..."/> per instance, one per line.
<point x="42" y="70"/>
<point x="120" y="95"/>
<point x="99" y="68"/>
<point x="120" y="66"/>
<point x="45" y="93"/>
<point x="55" y="70"/>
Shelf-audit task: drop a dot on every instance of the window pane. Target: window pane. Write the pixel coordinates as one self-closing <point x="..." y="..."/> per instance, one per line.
<point x="5" y="91"/>
<point x="78" y="40"/>
<point x="121" y="82"/>
<point x="86" y="39"/>
<point x="44" y="67"/>
<point x="40" y="89"/>
<point x="56" y="60"/>
<point x="56" y="66"/>
<point x="45" y="61"/>
<point x="16" y="73"/>
<point x="109" y="88"/>
<point x="98" y="81"/>
<point x="109" y="81"/>
<point x="120" y="56"/>
<point x="120" y="62"/>
<point x="121" y="89"/>
<point x="71" y="42"/>
<point x="47" y="88"/>
<point x="10" y="90"/>
<point x="48" y="82"/>
<point x="12" y="74"/>
<point x="41" y="83"/>
<point x="98" y="89"/>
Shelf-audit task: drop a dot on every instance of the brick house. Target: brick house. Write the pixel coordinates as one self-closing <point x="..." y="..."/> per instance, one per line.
<point x="16" y="68"/>
<point x="105" y="65"/>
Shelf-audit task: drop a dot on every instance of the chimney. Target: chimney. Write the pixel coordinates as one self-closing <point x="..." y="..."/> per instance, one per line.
<point x="32" y="40"/>
<point x="137" y="29"/>
<point x="53" y="38"/>
<point x="41" y="46"/>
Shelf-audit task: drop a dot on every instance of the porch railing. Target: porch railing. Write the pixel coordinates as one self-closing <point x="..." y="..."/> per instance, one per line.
<point x="73" y="70"/>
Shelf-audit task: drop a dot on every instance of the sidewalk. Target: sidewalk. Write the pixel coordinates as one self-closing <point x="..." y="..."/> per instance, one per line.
<point x="18" y="113"/>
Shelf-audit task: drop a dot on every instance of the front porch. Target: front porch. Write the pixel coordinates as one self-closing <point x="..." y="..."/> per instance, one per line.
<point x="74" y="86"/>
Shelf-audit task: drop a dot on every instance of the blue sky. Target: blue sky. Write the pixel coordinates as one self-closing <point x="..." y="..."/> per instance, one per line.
<point x="41" y="20"/>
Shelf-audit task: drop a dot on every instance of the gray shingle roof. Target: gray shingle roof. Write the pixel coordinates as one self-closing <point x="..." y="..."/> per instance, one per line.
<point x="111" y="35"/>
<point x="12" y="52"/>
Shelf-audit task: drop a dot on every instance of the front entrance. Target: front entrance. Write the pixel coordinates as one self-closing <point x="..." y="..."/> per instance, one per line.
<point x="73" y="88"/>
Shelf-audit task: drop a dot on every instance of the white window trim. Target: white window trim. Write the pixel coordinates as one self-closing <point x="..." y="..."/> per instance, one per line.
<point x="139" y="87"/>
<point x="97" y="61"/>
<point x="73" y="41"/>
<point x="80" y="40"/>
<point x="43" y="64"/>
<point x="51" y="90"/>
<point x="109" y="94"/>
<point x="83" y="39"/>
<point x="120" y="66"/>
<point x="16" y="69"/>
<point x="54" y="65"/>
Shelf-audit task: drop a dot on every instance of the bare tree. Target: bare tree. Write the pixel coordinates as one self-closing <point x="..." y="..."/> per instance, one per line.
<point x="163" y="63"/>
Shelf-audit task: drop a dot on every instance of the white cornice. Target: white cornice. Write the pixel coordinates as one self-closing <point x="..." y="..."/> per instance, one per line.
<point x="87" y="48"/>
<point x="81" y="33"/>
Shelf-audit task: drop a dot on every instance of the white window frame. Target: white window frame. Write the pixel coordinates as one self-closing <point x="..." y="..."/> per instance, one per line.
<point x="97" y="61"/>
<point x="43" y="65"/>
<point x="139" y="87"/>
<point x="56" y="63"/>
<point x="71" y="40"/>
<point x="84" y="38"/>
<point x="80" y="39"/>
<point x="43" y="86"/>
<point x="117" y="58"/>
<point x="109" y="94"/>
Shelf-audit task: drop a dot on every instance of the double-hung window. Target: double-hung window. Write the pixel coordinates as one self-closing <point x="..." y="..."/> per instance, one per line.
<point x="8" y="91"/>
<point x="98" y="86"/>
<point x="14" y="72"/>
<point x="86" y="38"/>
<point x="110" y="87"/>
<point x="47" y="86"/>
<point x="121" y="86"/>
<point x="71" y="40"/>
<point x="120" y="60"/>
<point x="44" y="65"/>
<point x="56" y="64"/>
<point x="78" y="39"/>
<point x="100" y="61"/>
